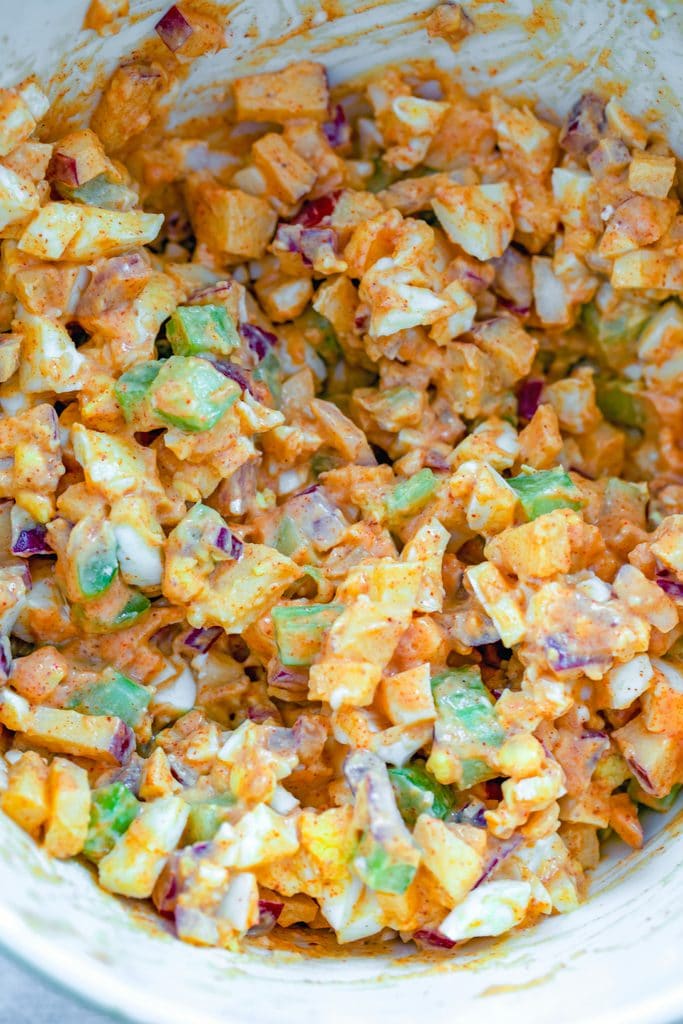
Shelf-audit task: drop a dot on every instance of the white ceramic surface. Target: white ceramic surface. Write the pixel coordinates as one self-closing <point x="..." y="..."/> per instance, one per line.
<point x="618" y="959"/>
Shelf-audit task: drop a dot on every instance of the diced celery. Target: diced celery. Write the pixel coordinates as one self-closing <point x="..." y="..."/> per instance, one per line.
<point x="92" y="545"/>
<point x="269" y="370"/>
<point x="289" y="537"/>
<point x="112" y="810"/>
<point x="664" y="803"/>
<point x="463" y="701"/>
<point x="545" y="491"/>
<point x="134" y="607"/>
<point x="116" y="695"/>
<point x="382" y="178"/>
<point x="382" y="872"/>
<point x="322" y="462"/>
<point x="101" y="192"/>
<point x="615" y="335"/>
<point x="125" y="614"/>
<point x="417" y="792"/>
<point x="299" y="630"/>
<point x="132" y="387"/>
<point x="205" y="819"/>
<point x="622" y="403"/>
<point x="196" y="329"/>
<point x="190" y="394"/>
<point x="410" y="496"/>
<point x="321" y="335"/>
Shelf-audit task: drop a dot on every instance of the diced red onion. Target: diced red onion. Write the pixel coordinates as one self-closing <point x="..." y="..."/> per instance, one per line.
<point x="641" y="775"/>
<point x="338" y="130"/>
<point x="610" y="156"/>
<point x="501" y="850"/>
<point x="563" y="659"/>
<point x="165" y="892"/>
<point x="32" y="542"/>
<point x="268" y="914"/>
<point x="141" y="69"/>
<point x="173" y="29"/>
<point x="5" y="658"/>
<point x="437" y="461"/>
<point x="512" y="308"/>
<point x="473" y="813"/>
<point x="123" y="744"/>
<point x="63" y="169"/>
<point x="315" y="211"/>
<point x="317" y="518"/>
<point x="256" y="714"/>
<point x="228" y="543"/>
<point x="433" y="938"/>
<point x="203" y="638"/>
<point x="529" y="398"/>
<point x="307" y="242"/>
<point x="361" y="320"/>
<point x="669" y="585"/>
<point x="288" y="681"/>
<point x="181" y="772"/>
<point x="259" y="340"/>
<point x="235" y="372"/>
<point x="585" y="124"/>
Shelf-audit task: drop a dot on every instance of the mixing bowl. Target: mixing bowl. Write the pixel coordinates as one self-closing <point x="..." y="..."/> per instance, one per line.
<point x="616" y="959"/>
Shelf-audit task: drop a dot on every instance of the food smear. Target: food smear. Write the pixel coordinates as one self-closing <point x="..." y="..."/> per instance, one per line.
<point x="341" y="522"/>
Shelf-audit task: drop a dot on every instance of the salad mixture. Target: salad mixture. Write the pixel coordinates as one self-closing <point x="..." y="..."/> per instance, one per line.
<point x="341" y="531"/>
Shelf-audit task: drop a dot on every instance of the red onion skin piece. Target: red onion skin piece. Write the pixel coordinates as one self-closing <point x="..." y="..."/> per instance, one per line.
<point x="173" y="29"/>
<point x="5" y="658"/>
<point x="670" y="586"/>
<point x="203" y="638"/>
<point x="529" y="398"/>
<point x="315" y="211"/>
<point x="259" y="340"/>
<point x="64" y="169"/>
<point x="337" y="130"/>
<point x="506" y="847"/>
<point x="235" y="372"/>
<point x="123" y="744"/>
<point x="433" y="939"/>
<point x="585" y="124"/>
<point x="32" y="542"/>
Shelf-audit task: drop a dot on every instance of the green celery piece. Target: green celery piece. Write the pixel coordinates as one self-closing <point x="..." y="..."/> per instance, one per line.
<point x="622" y="403"/>
<point x="189" y="393"/>
<point x="288" y="538"/>
<point x="112" y="810"/>
<point x="96" y="562"/>
<point x="410" y="496"/>
<point x="299" y="630"/>
<point x="417" y="792"/>
<point x="545" y="491"/>
<point x="101" y="192"/>
<point x="463" y="702"/>
<point x="324" y="461"/>
<point x="134" y="607"/>
<point x="269" y="370"/>
<point x="193" y="330"/>
<point x="615" y="335"/>
<point x="115" y="695"/>
<point x="132" y="387"/>
<point x="475" y="770"/>
<point x="205" y="819"/>
<point x="381" y="871"/>
<point x="665" y="803"/>
<point x="382" y="177"/>
<point x="321" y="335"/>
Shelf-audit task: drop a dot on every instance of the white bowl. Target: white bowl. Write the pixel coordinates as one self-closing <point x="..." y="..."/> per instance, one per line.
<point x="618" y="958"/>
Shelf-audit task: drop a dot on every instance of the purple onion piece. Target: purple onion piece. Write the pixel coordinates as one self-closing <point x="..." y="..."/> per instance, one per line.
<point x="529" y="397"/>
<point x="315" y="211"/>
<point x="510" y="305"/>
<point x="563" y="659"/>
<point x="501" y="850"/>
<point x="433" y="939"/>
<point x="257" y="714"/>
<point x="259" y="340"/>
<point x="122" y="744"/>
<point x="473" y="813"/>
<point x="669" y="585"/>
<point x="181" y="772"/>
<point x="5" y="658"/>
<point x="173" y="29"/>
<point x="166" y="891"/>
<point x="235" y="372"/>
<point x="63" y="168"/>
<point x="641" y="775"/>
<point x="337" y="131"/>
<point x="203" y="638"/>
<point x="269" y="912"/>
<point x="586" y="121"/>
<point x="32" y="542"/>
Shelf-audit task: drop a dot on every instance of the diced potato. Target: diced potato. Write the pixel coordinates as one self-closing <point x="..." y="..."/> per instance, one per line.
<point x="18" y="197"/>
<point x="69" y="809"/>
<point x="157" y="779"/>
<point x="651" y="174"/>
<point x="407" y="696"/>
<point x="477" y="217"/>
<point x="284" y="298"/>
<point x="50" y="360"/>
<point x="344" y="682"/>
<point x="453" y="862"/>
<point x="499" y="601"/>
<point x="637" y="222"/>
<point x="557" y="542"/>
<point x="645" y="598"/>
<point x="25" y="800"/>
<point x="136" y="861"/>
<point x="127" y="104"/>
<point x="51" y="230"/>
<point x="10" y="354"/>
<point x="551" y="300"/>
<point x="87" y="152"/>
<point x="654" y="758"/>
<point x="101" y="738"/>
<point x="491" y="909"/>
<point x="667" y="543"/>
<point x="663" y="703"/>
<point x="488" y="500"/>
<point x="529" y="144"/>
<point x="16" y="121"/>
<point x="625" y="126"/>
<point x="647" y="268"/>
<point x="540" y="442"/>
<point x="626" y="682"/>
<point x="298" y="91"/>
<point x="36" y="675"/>
<point x="573" y="399"/>
<point x="576" y="195"/>
<point x="260" y="836"/>
<point x="288" y="176"/>
<point x="509" y="345"/>
<point x="110" y="232"/>
<point x="662" y="336"/>
<point x="228" y="221"/>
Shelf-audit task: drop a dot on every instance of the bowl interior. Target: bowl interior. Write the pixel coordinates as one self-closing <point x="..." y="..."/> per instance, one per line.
<point x="617" y="957"/>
